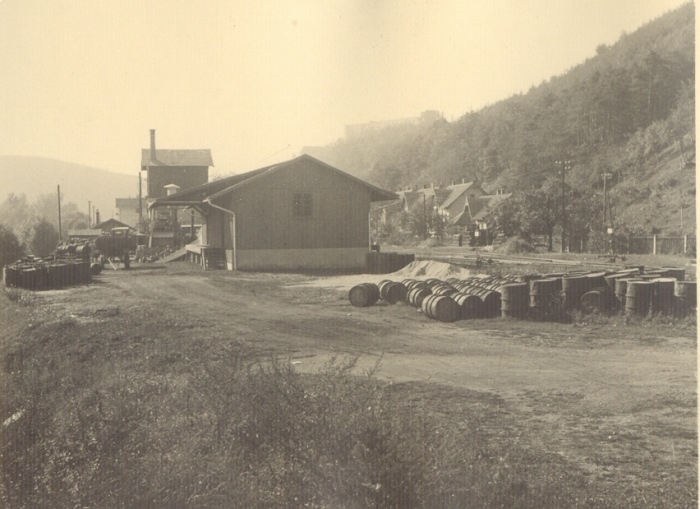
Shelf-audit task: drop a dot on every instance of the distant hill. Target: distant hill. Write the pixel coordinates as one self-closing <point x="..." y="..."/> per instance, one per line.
<point x="34" y="176"/>
<point x="628" y="111"/>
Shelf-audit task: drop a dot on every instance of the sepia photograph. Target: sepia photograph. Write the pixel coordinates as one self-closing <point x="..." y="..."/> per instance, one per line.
<point x="348" y="254"/>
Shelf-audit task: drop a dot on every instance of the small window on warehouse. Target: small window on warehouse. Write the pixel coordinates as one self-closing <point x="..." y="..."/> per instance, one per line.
<point x="303" y="205"/>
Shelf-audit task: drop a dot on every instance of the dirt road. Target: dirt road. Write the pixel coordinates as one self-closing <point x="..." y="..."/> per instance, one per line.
<point x="630" y="391"/>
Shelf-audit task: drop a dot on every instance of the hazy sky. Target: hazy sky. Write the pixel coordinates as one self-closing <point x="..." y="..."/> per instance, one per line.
<point x="84" y="80"/>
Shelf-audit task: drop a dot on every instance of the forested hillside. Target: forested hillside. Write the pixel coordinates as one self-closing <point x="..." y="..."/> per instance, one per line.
<point x="628" y="111"/>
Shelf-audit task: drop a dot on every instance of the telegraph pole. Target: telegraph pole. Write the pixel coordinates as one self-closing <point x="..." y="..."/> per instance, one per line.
<point x="565" y="164"/>
<point x="425" y="221"/>
<point x="140" y="205"/>
<point x="89" y="214"/>
<point x="606" y="176"/>
<point x="60" y="236"/>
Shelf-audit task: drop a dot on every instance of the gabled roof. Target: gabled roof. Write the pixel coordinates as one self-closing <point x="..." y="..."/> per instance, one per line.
<point x="487" y="202"/>
<point x="217" y="188"/>
<point x="440" y="194"/>
<point x="409" y="198"/>
<point x="457" y="190"/>
<point x="112" y="223"/>
<point x="464" y="218"/>
<point x="168" y="157"/>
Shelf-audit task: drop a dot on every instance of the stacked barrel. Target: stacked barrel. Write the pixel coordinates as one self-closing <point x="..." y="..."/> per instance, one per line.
<point x="538" y="296"/>
<point x="69" y="266"/>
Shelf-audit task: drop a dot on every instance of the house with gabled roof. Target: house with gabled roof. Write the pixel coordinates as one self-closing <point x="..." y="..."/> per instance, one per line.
<point x="302" y="214"/>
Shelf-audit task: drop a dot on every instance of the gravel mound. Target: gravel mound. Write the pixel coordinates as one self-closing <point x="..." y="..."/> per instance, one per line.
<point x="423" y="269"/>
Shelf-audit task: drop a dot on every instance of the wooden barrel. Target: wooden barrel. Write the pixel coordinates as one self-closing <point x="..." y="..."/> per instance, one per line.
<point x="611" y="278"/>
<point x="659" y="273"/>
<point x="492" y="302"/>
<point x="621" y="289"/>
<point x="87" y="271"/>
<point x="8" y="276"/>
<point x="598" y="300"/>
<point x="471" y="306"/>
<point x="514" y="300"/>
<point x="416" y="295"/>
<point x="638" y="297"/>
<point x="363" y="295"/>
<point x="441" y="308"/>
<point x="29" y="278"/>
<point x="444" y="289"/>
<point x="686" y="296"/>
<point x="663" y="299"/>
<point x="392" y="292"/>
<point x="574" y="287"/>
<point x="41" y="278"/>
<point x="677" y="273"/>
<point x="542" y="292"/>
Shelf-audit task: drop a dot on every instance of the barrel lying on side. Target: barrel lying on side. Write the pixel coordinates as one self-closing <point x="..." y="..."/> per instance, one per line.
<point x="471" y="305"/>
<point x="441" y="308"/>
<point x="363" y="295"/>
<point x="416" y="295"/>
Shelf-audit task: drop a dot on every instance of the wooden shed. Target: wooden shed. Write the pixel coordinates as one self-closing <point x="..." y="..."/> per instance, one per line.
<point x="297" y="215"/>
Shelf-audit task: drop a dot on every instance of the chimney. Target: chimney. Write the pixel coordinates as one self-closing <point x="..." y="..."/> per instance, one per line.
<point x="153" y="146"/>
<point x="463" y="180"/>
<point x="97" y="217"/>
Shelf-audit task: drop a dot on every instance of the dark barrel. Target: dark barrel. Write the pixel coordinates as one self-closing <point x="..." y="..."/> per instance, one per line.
<point x="598" y="300"/>
<point x="663" y="299"/>
<point x="574" y="287"/>
<point x="441" y="308"/>
<point x="416" y="295"/>
<point x="514" y="299"/>
<point x="686" y="296"/>
<point x="363" y="295"/>
<point x="471" y="305"/>
<point x="542" y="292"/>
<point x="492" y="302"/>
<point x="677" y="274"/>
<point x="638" y="297"/>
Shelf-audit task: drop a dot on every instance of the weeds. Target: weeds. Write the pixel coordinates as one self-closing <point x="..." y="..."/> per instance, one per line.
<point x="21" y="297"/>
<point x="222" y="427"/>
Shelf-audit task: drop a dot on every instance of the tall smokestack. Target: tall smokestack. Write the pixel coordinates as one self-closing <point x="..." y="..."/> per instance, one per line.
<point x="153" y="146"/>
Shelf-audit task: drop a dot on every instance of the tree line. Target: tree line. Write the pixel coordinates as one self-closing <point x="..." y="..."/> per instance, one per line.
<point x="32" y="228"/>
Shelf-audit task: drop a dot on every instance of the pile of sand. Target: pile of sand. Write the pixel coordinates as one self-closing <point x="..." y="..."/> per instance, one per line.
<point x="423" y="269"/>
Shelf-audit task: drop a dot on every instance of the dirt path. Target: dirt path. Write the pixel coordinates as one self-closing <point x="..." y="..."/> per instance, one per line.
<point x="589" y="393"/>
<point x="312" y="324"/>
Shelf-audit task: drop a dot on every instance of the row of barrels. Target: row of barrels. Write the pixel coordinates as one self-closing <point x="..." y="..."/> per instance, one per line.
<point x="48" y="275"/>
<point x="541" y="296"/>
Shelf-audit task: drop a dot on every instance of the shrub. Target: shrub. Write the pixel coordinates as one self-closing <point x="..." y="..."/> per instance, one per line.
<point x="11" y="249"/>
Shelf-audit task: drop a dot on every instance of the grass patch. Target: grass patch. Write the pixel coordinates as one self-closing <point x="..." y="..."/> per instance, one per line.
<point x="19" y="296"/>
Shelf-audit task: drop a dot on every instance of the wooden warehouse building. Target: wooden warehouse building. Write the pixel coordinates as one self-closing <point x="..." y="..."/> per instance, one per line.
<point x="296" y="215"/>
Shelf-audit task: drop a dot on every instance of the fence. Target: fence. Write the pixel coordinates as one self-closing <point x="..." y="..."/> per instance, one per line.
<point x="656" y="245"/>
